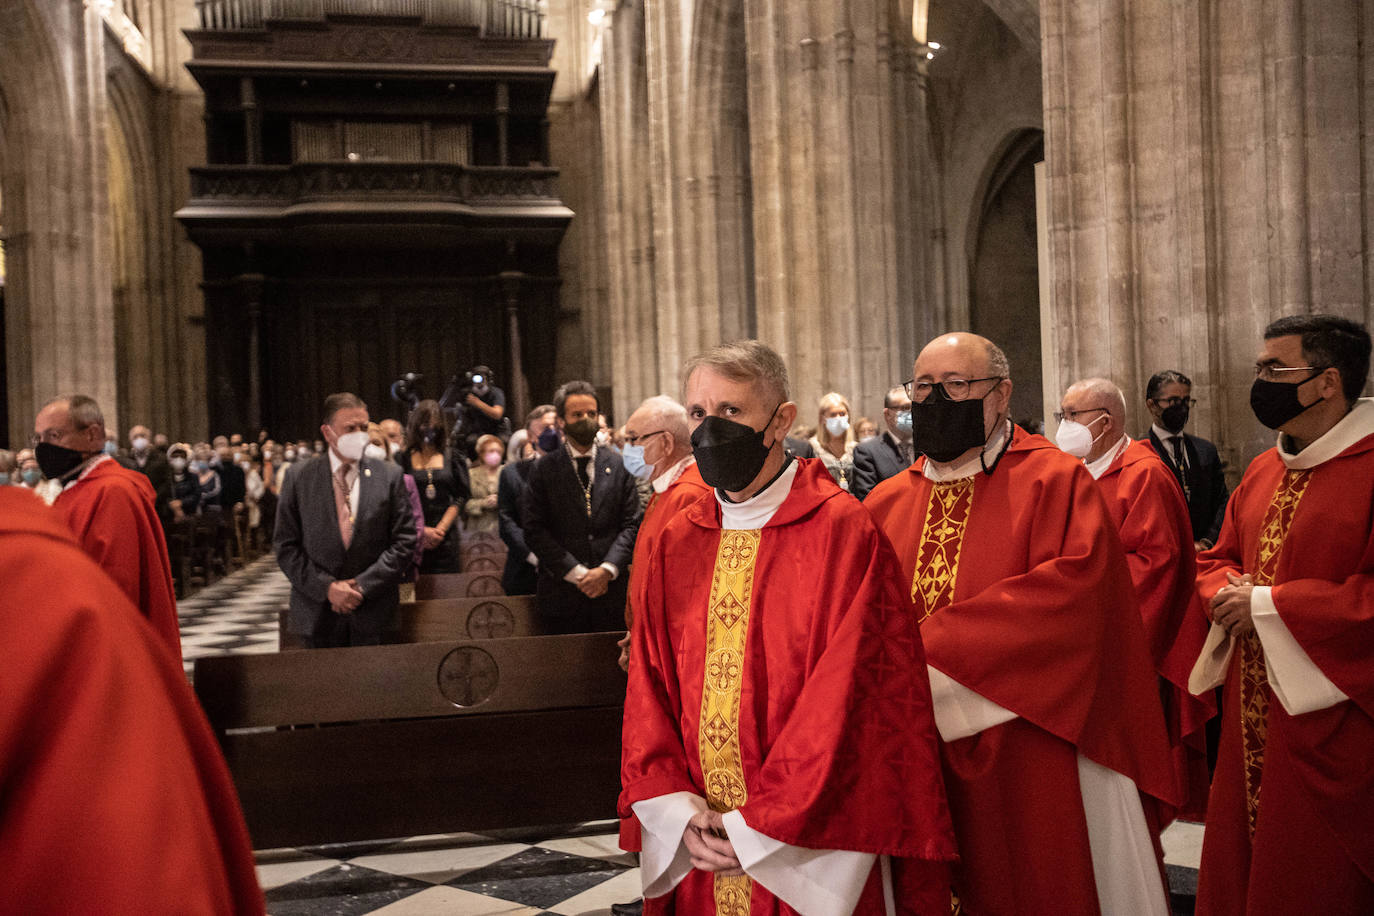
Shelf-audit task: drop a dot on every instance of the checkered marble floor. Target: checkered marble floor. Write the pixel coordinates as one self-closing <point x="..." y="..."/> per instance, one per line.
<point x="238" y="614"/>
<point x="568" y="872"/>
<point x="574" y="871"/>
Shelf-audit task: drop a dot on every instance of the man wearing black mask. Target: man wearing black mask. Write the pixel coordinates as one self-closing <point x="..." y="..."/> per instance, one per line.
<point x="1193" y="460"/>
<point x="1045" y="695"/>
<point x="1290" y="589"/>
<point x="777" y="722"/>
<point x="581" y="514"/>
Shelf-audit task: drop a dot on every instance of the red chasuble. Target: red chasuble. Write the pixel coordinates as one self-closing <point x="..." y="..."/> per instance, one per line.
<point x="116" y="797"/>
<point x="817" y="725"/>
<point x="1150" y="515"/>
<point x="1305" y="844"/>
<point x="110" y="510"/>
<point x="663" y="508"/>
<point x="1028" y="602"/>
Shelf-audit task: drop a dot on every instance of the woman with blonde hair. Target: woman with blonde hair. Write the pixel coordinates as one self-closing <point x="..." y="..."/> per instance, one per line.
<point x="834" y="440"/>
<point x="485" y="476"/>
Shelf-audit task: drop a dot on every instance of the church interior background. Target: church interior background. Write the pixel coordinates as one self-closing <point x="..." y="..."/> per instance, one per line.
<point x="214" y="212"/>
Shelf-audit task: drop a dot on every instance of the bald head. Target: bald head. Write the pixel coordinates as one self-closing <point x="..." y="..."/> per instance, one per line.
<point x="975" y="353"/>
<point x="1098" y="404"/>
<point x="965" y="357"/>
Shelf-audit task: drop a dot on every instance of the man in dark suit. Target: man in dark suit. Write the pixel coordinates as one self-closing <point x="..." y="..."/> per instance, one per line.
<point x="887" y="455"/>
<point x="344" y="535"/>
<point x="1192" y="459"/>
<point x="581" y="512"/>
<point x="152" y="464"/>
<point x="519" y="576"/>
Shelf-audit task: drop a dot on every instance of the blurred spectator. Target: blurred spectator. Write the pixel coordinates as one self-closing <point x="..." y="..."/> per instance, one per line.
<point x="290" y="455"/>
<point x="865" y="429"/>
<point x="889" y="454"/>
<point x="520" y="575"/>
<point x="31" y="476"/>
<point x="161" y="442"/>
<point x="483" y="412"/>
<point x="443" y="489"/>
<point x="253" y="491"/>
<point x="379" y="446"/>
<point x="834" y="441"/>
<point x="604" y="437"/>
<point x="152" y="464"/>
<point x="9" y="468"/>
<point x="185" y="482"/>
<point x="233" y="488"/>
<point x="480" y="509"/>
<point x="394" y="434"/>
<point x="211" y="485"/>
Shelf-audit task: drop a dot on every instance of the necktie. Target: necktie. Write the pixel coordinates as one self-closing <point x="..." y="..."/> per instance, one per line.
<point x="341" y="504"/>
<point x="1180" y="456"/>
<point x="582" y="470"/>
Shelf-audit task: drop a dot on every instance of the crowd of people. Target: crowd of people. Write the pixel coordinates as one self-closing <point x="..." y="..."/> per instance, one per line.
<point x="944" y="666"/>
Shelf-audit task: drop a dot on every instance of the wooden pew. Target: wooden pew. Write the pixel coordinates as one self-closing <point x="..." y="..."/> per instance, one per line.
<point x="444" y="619"/>
<point x="419" y="739"/>
<point x="458" y="585"/>
<point x="482" y="563"/>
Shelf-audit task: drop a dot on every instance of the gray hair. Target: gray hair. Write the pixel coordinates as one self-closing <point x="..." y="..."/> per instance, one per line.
<point x="744" y="361"/>
<point x="82" y="409"/>
<point x="1107" y="389"/>
<point x="998" y="365"/>
<point x="670" y="415"/>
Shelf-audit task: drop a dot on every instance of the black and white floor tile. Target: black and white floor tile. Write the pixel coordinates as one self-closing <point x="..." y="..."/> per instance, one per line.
<point x="574" y="871"/>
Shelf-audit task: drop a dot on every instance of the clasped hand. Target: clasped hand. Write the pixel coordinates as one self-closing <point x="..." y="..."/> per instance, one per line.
<point x="1231" y="605"/>
<point x="595" y="582"/>
<point x="709" y="847"/>
<point x="344" y="596"/>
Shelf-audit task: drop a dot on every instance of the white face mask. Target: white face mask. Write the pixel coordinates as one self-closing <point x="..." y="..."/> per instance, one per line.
<point x="352" y="445"/>
<point x="140" y="444"/>
<point x="1076" y="439"/>
<point x="836" y="426"/>
<point x="394" y="447"/>
<point x="375" y="452"/>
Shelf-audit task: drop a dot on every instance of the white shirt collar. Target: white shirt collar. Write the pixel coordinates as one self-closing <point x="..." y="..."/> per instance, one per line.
<point x="1162" y="434"/>
<point x="1353" y="427"/>
<point x="939" y="472"/>
<point x="576" y="452"/>
<point x="1099" y="467"/>
<point x="756" y="511"/>
<point x="335" y="462"/>
<point x="663" y="481"/>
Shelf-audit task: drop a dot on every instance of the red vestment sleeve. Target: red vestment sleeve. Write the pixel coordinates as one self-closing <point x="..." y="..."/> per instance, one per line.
<point x="116" y="799"/>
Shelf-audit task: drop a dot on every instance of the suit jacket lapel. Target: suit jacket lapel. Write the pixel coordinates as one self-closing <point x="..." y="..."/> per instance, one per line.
<point x="323" y="484"/>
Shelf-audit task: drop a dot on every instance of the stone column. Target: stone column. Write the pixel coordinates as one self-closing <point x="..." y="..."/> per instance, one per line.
<point x="1207" y="169"/>
<point x="60" y="322"/>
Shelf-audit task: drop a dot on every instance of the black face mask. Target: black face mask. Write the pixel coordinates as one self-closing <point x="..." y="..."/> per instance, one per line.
<point x="1275" y="403"/>
<point x="729" y="454"/>
<point x="548" y="440"/>
<point x="1174" y="418"/>
<point x="942" y="429"/>
<point x="55" y="461"/>
<point x="583" y="432"/>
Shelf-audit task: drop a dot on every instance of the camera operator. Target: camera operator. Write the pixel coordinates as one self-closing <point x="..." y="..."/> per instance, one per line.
<point x="483" y="410"/>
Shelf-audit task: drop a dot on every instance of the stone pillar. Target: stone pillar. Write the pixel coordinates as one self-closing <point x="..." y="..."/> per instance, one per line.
<point x="59" y="308"/>
<point x="1206" y="175"/>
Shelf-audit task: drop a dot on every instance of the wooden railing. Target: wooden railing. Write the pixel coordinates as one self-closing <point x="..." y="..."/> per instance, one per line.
<point x="500" y="18"/>
<point x="285" y="185"/>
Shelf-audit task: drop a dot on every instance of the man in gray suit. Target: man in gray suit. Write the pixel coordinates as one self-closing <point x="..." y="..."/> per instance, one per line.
<point x="889" y="454"/>
<point x="344" y="535"/>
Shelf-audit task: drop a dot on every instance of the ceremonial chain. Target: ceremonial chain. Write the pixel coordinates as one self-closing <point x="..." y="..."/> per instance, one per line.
<point x="591" y="471"/>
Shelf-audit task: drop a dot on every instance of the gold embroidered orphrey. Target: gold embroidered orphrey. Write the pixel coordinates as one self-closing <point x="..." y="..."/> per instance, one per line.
<point x="727" y="626"/>
<point x="942" y="539"/>
<point x="1254" y="679"/>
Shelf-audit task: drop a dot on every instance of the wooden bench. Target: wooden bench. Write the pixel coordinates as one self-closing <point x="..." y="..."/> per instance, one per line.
<point x="482" y="563"/>
<point x="418" y="739"/>
<point x="458" y="585"/>
<point x="442" y="619"/>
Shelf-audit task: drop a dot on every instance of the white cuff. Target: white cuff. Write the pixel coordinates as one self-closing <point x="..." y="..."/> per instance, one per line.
<point x="663" y="858"/>
<point x="612" y="569"/>
<point x="814" y="882"/>
<point x="959" y="712"/>
<point x="575" y="574"/>
<point x="1296" y="680"/>
<point x="1209" y="671"/>
<point x="532" y="560"/>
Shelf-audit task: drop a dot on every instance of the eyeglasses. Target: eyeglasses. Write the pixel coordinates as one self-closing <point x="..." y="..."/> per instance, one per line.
<point x="956" y="389"/>
<point x="1174" y="402"/>
<point x="635" y="440"/>
<point x="1272" y="373"/>
<point x="1061" y="415"/>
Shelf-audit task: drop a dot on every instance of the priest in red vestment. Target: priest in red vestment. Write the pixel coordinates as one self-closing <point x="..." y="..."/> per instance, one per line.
<point x="116" y="797"/>
<point x="110" y="509"/>
<point x="1290" y="587"/>
<point x="1152" y="519"/>
<point x="658" y="447"/>
<point x="778" y="748"/>
<point x="1045" y="698"/>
